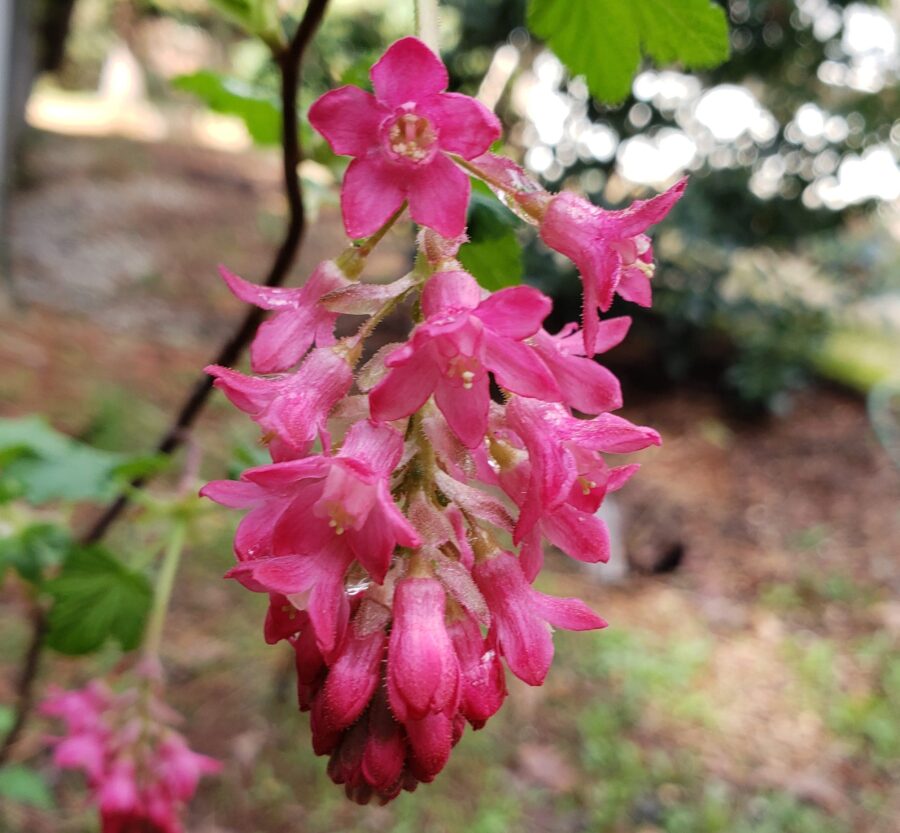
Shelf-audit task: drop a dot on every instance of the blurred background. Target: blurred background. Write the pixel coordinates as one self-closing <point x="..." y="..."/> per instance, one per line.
<point x="751" y="677"/>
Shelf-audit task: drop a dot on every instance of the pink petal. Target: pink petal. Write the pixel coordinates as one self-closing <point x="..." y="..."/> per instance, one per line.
<point x="611" y="332"/>
<point x="519" y="368"/>
<point x="581" y="535"/>
<point x="253" y="537"/>
<point x="264" y="297"/>
<point x="515" y="312"/>
<point x="531" y="553"/>
<point x="370" y="193"/>
<point x="642" y="214"/>
<point x="569" y="614"/>
<point x="283" y="340"/>
<point x="618" y="477"/>
<point x="466" y="411"/>
<point x="378" y="447"/>
<point x="366" y="298"/>
<point x="408" y="72"/>
<point x="452" y="290"/>
<point x="584" y="384"/>
<point x="235" y="494"/>
<point x="611" y="433"/>
<point x="348" y="118"/>
<point x="522" y="636"/>
<point x="430" y="742"/>
<point x="465" y="126"/>
<point x="635" y="286"/>
<point x="288" y="473"/>
<point x="405" y="388"/>
<point x="439" y="196"/>
<point x="250" y="394"/>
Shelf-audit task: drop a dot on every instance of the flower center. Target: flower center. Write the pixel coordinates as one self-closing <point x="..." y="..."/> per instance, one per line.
<point x="464" y="368"/>
<point x="411" y="138"/>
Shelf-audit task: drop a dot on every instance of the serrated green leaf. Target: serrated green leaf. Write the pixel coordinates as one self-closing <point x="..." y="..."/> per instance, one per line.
<point x="35" y="549"/>
<point x="603" y="40"/>
<point x="493" y="254"/>
<point x="260" y="112"/>
<point x="25" y="786"/>
<point x="96" y="598"/>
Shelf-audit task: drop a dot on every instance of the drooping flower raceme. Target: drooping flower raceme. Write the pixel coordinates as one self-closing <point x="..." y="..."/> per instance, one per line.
<point x="140" y="770"/>
<point x="381" y="530"/>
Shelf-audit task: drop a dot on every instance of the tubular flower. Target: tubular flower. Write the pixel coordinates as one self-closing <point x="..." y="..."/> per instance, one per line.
<point x="140" y="771"/>
<point x="610" y="248"/>
<point x="385" y="553"/>
<point x="400" y="139"/>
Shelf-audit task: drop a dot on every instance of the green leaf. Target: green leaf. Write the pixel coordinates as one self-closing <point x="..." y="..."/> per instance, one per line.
<point x="259" y="111"/>
<point x="605" y="39"/>
<point x="96" y="598"/>
<point x="258" y="17"/>
<point x="40" y="464"/>
<point x="494" y="255"/>
<point x="34" y="549"/>
<point x="25" y="786"/>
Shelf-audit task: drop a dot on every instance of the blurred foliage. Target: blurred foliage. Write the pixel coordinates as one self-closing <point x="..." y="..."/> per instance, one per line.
<point x="603" y="39"/>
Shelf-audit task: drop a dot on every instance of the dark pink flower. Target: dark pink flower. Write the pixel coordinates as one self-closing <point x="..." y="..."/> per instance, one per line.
<point x="299" y="320"/>
<point x="422" y="671"/>
<point x="520" y="616"/>
<point x="610" y="248"/>
<point x="293" y="409"/>
<point x="481" y="672"/>
<point x="400" y="138"/>
<point x="463" y="337"/>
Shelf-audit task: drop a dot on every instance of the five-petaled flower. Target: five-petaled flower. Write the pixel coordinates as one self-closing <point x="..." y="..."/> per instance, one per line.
<point x="400" y="138"/>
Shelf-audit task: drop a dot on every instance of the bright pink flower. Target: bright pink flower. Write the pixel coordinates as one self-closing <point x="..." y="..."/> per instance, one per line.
<point x="320" y="502"/>
<point x="293" y="409"/>
<point x="481" y="672"/>
<point x="423" y="672"/>
<point x="299" y="320"/>
<point x="463" y="337"/>
<point x="610" y="248"/>
<point x="520" y="616"/>
<point x="400" y="138"/>
<point x="550" y="433"/>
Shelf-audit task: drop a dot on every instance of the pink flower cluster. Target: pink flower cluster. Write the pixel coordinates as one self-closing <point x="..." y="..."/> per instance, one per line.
<point x="141" y="771"/>
<point x="400" y="527"/>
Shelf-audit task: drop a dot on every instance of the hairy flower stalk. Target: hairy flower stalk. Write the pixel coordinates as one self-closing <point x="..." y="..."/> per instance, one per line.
<point x="382" y="529"/>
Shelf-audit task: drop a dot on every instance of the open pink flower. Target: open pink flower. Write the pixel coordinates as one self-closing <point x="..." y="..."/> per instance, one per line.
<point x="463" y="337"/>
<point x="292" y="409"/>
<point x="320" y="502"/>
<point x="400" y="138"/>
<point x="299" y="320"/>
<point x="610" y="248"/>
<point x="520" y="616"/>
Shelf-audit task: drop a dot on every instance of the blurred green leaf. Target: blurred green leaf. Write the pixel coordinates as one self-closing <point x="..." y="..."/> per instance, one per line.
<point x="24" y="785"/>
<point x="258" y="17"/>
<point x="96" y="598"/>
<point x="40" y="464"/>
<point x="493" y="254"/>
<point x="34" y="549"/>
<point x="605" y="39"/>
<point x="259" y="111"/>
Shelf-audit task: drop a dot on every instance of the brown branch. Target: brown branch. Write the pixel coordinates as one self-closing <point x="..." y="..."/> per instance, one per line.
<point x="289" y="61"/>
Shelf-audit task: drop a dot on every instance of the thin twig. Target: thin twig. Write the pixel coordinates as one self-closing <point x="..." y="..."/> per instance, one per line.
<point x="289" y="62"/>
